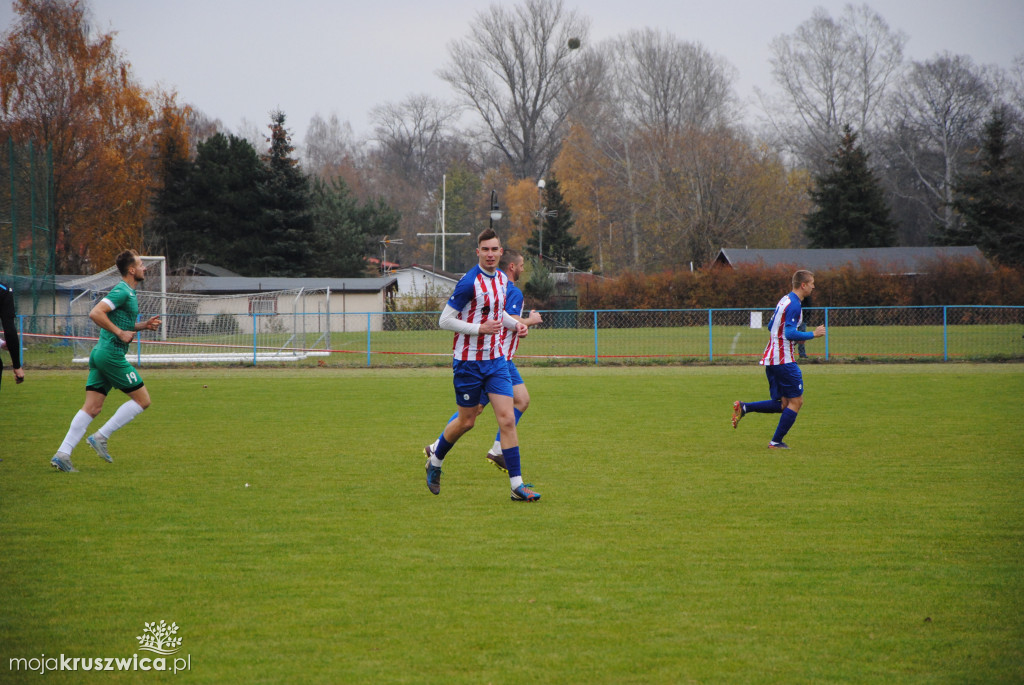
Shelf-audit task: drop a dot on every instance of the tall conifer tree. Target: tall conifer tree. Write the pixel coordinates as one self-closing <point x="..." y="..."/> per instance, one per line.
<point x="559" y="245"/>
<point x="285" y="244"/>
<point x="990" y="198"/>
<point x="849" y="207"/>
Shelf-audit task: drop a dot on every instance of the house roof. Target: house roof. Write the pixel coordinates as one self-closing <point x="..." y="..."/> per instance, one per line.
<point x="903" y="260"/>
<point x="433" y="271"/>
<point x="204" y="269"/>
<point x="243" y="284"/>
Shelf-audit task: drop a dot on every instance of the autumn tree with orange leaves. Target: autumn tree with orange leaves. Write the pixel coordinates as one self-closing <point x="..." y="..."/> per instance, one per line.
<point x="63" y="85"/>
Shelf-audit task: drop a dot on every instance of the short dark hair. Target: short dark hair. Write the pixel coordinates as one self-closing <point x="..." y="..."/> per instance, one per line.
<point x="801" y="277"/>
<point x="126" y="260"/>
<point x="508" y="257"/>
<point x="486" y="234"/>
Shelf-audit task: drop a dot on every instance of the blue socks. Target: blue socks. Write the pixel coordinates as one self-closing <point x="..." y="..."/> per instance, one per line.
<point x="512" y="462"/>
<point x="766" y="407"/>
<point x="785" y="423"/>
<point x="443" y="446"/>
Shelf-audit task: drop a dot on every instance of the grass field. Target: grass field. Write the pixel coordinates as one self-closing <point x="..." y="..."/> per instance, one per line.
<point x="886" y="547"/>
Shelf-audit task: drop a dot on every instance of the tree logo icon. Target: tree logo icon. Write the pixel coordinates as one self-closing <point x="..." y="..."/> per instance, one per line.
<point x="159" y="638"/>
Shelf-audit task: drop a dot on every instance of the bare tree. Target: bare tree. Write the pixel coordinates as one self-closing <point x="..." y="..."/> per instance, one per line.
<point x="831" y="72"/>
<point x="936" y="119"/>
<point x="514" y="70"/>
<point x="667" y="85"/>
<point x="200" y="127"/>
<point x="328" y="146"/>
<point x="414" y="136"/>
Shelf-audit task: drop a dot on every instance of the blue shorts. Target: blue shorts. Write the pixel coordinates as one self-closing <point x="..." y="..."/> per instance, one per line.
<point x="475" y="380"/>
<point x="513" y="374"/>
<point x="784" y="380"/>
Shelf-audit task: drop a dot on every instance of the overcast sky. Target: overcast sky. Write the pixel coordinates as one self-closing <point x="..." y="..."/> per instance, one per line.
<point x="237" y="60"/>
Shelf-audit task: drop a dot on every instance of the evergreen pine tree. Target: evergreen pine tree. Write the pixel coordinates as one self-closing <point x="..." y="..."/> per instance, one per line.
<point x="989" y="198"/>
<point x="209" y="208"/>
<point x="849" y="207"/>
<point x="559" y="245"/>
<point x="284" y="246"/>
<point x="170" y="201"/>
<point x="345" y="231"/>
<point x="540" y="287"/>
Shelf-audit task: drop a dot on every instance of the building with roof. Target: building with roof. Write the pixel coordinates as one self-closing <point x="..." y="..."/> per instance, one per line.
<point x="417" y="282"/>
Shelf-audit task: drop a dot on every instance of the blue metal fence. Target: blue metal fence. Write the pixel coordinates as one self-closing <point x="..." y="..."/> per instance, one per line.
<point x="580" y="336"/>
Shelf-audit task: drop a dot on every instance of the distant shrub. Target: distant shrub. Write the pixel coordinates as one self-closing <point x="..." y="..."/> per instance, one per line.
<point x="943" y="282"/>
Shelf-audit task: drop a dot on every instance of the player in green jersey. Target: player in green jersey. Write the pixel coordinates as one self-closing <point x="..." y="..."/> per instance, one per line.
<point x="117" y="315"/>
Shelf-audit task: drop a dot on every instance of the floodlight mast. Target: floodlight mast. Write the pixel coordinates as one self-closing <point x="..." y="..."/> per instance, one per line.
<point x="542" y="214"/>
<point x="495" y="209"/>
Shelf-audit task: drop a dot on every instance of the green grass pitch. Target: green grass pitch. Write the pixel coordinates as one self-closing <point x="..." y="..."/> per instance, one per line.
<point x="886" y="547"/>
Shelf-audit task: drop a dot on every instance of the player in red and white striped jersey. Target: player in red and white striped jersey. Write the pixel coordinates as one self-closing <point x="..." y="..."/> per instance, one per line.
<point x="785" y="381"/>
<point x="476" y="313"/>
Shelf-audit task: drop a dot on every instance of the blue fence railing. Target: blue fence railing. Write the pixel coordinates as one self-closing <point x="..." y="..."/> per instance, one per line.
<point x="583" y="336"/>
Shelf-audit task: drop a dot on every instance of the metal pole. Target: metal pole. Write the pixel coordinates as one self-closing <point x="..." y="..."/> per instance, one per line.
<point x="444" y="195"/>
<point x="163" y="298"/>
<point x="711" y="349"/>
<point x="32" y="208"/>
<point x="945" y="335"/>
<point x="826" y="333"/>
<point x="14" y="208"/>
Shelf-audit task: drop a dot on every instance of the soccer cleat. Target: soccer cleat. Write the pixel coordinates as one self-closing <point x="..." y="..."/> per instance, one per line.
<point x="62" y="462"/>
<point x="433" y="473"/>
<point x="99" y="443"/>
<point x="524" y="494"/>
<point x="777" y="445"/>
<point x="498" y="460"/>
<point x="737" y="413"/>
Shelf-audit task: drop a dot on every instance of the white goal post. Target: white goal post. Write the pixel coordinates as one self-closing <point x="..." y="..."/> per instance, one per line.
<point x="103" y="281"/>
<point x="284" y="325"/>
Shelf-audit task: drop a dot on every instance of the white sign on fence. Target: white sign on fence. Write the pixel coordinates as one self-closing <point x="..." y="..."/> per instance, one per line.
<point x="755" y="319"/>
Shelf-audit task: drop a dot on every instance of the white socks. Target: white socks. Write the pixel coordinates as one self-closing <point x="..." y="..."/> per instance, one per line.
<point x="125" y="413"/>
<point x="79" y="425"/>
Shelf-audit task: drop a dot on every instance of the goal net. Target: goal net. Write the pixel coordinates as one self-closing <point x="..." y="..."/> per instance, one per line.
<point x="285" y="325"/>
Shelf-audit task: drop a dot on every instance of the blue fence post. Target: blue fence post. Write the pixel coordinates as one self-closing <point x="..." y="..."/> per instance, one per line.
<point x="826" y="333"/>
<point x="595" y="337"/>
<point x="711" y="349"/>
<point x="945" y="336"/>
<point x="368" y="315"/>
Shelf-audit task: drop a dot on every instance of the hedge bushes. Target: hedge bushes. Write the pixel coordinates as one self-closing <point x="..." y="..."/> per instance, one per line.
<point x="946" y="282"/>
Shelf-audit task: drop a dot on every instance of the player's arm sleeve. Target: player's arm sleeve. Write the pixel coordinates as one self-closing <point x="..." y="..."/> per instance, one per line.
<point x="450" y="321"/>
<point x="115" y="298"/>
<point x="514" y="303"/>
<point x="789" y="331"/>
<point x="508" y="321"/>
<point x="792" y="333"/>
<point x="463" y="293"/>
<point x="10" y="330"/>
